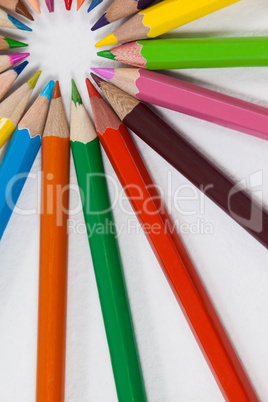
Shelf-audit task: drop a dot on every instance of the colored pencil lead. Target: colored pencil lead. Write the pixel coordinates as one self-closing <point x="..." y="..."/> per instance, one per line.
<point x="100" y="23"/>
<point x="107" y="54"/>
<point x="20" y="67"/>
<point x="22" y="9"/>
<point x="17" y="24"/>
<point x="68" y="4"/>
<point x="50" y="5"/>
<point x="9" y="43"/>
<point x="79" y="4"/>
<point x="94" y="4"/>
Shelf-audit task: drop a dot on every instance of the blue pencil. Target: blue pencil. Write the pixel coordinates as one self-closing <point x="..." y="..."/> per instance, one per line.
<point x="20" y="155"/>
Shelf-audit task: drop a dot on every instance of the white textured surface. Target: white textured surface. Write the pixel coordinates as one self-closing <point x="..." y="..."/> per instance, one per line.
<point x="233" y="266"/>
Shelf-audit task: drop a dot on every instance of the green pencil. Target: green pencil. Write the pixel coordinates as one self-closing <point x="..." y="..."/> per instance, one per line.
<point x="158" y="54"/>
<point x="105" y="255"/>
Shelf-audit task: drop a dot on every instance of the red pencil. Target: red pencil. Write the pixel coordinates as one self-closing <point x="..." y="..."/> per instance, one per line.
<point x="68" y="4"/>
<point x="171" y="253"/>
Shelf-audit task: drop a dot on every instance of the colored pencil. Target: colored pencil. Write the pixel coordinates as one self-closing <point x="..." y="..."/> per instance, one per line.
<point x="20" y="155"/>
<point x="105" y="255"/>
<point x="13" y="107"/>
<point x="17" y="6"/>
<point x="94" y="4"/>
<point x="80" y="3"/>
<point x="50" y="5"/>
<point x="7" y="61"/>
<point x="190" y="99"/>
<point x="159" y="54"/>
<point x="170" y="252"/>
<point x="121" y="9"/>
<point x="8" y="77"/>
<point x="50" y="382"/>
<point x="206" y="176"/>
<point x="162" y="17"/>
<point x="7" y="21"/>
<point x="9" y="43"/>
<point x="35" y="5"/>
<point x="68" y="4"/>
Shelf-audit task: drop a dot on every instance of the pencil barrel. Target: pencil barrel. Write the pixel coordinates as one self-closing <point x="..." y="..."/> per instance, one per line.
<point x="205" y="53"/>
<point x="108" y="271"/>
<point x="53" y="270"/>
<point x="200" y="171"/>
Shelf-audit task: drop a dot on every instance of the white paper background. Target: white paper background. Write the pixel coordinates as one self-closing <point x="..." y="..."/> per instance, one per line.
<point x="233" y="266"/>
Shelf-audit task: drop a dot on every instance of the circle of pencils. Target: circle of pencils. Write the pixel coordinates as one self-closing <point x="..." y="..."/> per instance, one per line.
<point x="105" y="255"/>
<point x="45" y="123"/>
<point x="159" y="54"/>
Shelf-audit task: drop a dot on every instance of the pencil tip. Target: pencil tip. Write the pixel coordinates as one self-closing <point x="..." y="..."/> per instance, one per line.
<point x="79" y="4"/>
<point x="100" y="23"/>
<point x="33" y="80"/>
<point x="22" y="9"/>
<point x="106" y="73"/>
<point x="94" y="4"/>
<point x="50" y="5"/>
<point x="20" y="67"/>
<point x="107" y="41"/>
<point x="97" y="79"/>
<point x="48" y="90"/>
<point x="76" y="98"/>
<point x="91" y="89"/>
<point x="18" y="24"/>
<point x="68" y="4"/>
<point x="56" y="92"/>
<point x="17" y="57"/>
<point x="13" y="44"/>
<point x="107" y="54"/>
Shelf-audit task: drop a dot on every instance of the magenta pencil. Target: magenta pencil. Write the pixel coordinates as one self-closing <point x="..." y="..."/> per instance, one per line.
<point x="190" y="99"/>
<point x="50" y="5"/>
<point x="7" y="61"/>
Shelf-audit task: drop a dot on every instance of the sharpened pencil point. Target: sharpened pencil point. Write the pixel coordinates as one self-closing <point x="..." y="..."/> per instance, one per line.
<point x="56" y="93"/>
<point x="18" y="24"/>
<point x="79" y="4"/>
<point x="91" y="89"/>
<point x="106" y="73"/>
<point x="13" y="44"/>
<point x="94" y="4"/>
<point x="33" y="80"/>
<point x="107" y="41"/>
<point x="107" y="54"/>
<point x="50" y="5"/>
<point x="68" y="4"/>
<point x="22" y="9"/>
<point x="16" y="58"/>
<point x="76" y="98"/>
<point x="97" y="79"/>
<point x="48" y="90"/>
<point x="18" y="69"/>
<point x="100" y="23"/>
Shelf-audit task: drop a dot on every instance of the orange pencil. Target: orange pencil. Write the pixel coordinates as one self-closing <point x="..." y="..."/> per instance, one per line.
<point x="50" y="382"/>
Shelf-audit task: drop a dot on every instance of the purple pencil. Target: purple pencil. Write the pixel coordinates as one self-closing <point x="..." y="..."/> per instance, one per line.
<point x="50" y="5"/>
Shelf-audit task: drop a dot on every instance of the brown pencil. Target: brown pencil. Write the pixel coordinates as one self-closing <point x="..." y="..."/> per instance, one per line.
<point x="18" y="6"/>
<point x="172" y="146"/>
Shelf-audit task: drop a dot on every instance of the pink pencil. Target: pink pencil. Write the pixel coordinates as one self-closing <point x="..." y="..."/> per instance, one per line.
<point x="50" y="5"/>
<point x="190" y="99"/>
<point x="7" y="61"/>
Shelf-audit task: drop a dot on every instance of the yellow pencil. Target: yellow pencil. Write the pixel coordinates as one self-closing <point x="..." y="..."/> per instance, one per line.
<point x="13" y="107"/>
<point x="161" y="18"/>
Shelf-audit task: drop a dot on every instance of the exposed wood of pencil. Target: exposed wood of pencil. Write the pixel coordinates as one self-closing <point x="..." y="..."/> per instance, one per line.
<point x="6" y="80"/>
<point x="14" y="106"/>
<point x="171" y="254"/>
<point x="18" y="6"/>
<point x="53" y="256"/>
